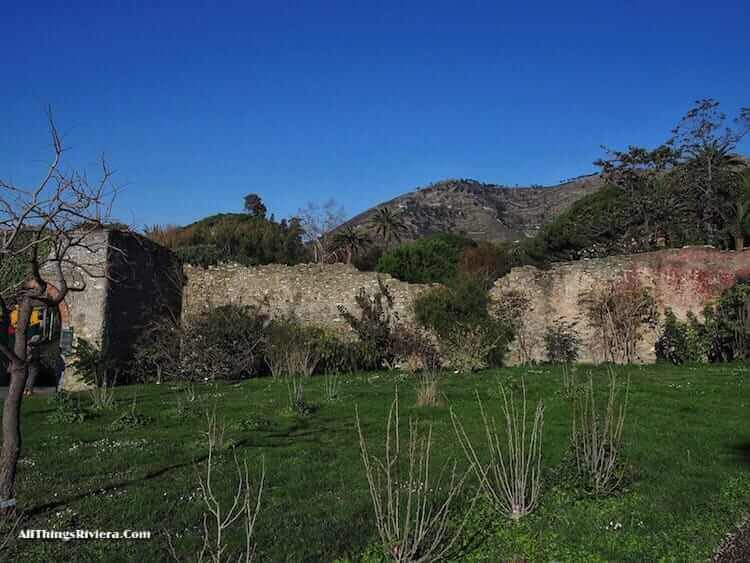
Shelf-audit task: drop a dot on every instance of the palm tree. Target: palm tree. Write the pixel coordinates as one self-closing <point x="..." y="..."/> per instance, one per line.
<point x="351" y="240"/>
<point x="388" y="225"/>
<point x="741" y="212"/>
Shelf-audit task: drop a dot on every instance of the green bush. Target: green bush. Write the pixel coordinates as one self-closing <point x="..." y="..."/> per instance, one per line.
<point x="339" y="355"/>
<point x="239" y="237"/>
<point x="682" y="341"/>
<point x="728" y="324"/>
<point x="463" y="301"/>
<point x="459" y="314"/>
<point x="367" y="259"/>
<point x="561" y="342"/>
<point x="92" y="364"/>
<point x="224" y="343"/>
<point x="373" y="325"/>
<point x="724" y="336"/>
<point x="485" y="261"/>
<point x="429" y="260"/>
<point x="129" y="420"/>
<point x="475" y="347"/>
<point x="200" y="254"/>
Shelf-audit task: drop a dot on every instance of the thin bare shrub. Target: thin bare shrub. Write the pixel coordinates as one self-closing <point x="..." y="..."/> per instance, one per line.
<point x="428" y="393"/>
<point x="597" y="437"/>
<point x="568" y="380"/>
<point x="296" y="396"/>
<point x="303" y="358"/>
<point x="512" y="307"/>
<point x="291" y="349"/>
<point x="9" y="531"/>
<point x="103" y="395"/>
<point x="412" y="511"/>
<point x="467" y="347"/>
<point x="190" y="393"/>
<point x="219" y="517"/>
<point x="619" y="311"/>
<point x="512" y="478"/>
<point x="332" y="386"/>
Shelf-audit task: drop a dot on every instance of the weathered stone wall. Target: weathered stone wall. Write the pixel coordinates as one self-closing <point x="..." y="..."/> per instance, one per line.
<point x="682" y="279"/>
<point x="129" y="281"/>
<point x="85" y="309"/>
<point x="145" y="284"/>
<point x="312" y="291"/>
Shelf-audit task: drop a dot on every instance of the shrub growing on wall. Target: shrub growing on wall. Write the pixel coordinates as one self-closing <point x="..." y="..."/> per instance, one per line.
<point x="414" y="349"/>
<point x="511" y="308"/>
<point x="619" y="311"/>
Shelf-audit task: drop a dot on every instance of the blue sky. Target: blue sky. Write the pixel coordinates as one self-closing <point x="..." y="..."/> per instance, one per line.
<point x="196" y="104"/>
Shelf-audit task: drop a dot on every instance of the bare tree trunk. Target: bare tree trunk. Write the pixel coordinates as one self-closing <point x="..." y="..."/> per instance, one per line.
<point x="739" y="241"/>
<point x="12" y="413"/>
<point x="11" y="438"/>
<point x="43" y="226"/>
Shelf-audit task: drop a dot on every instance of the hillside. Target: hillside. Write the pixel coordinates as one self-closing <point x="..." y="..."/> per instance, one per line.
<point x="482" y="211"/>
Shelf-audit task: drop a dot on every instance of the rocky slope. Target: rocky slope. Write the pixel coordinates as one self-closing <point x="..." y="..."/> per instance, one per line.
<point x="482" y="211"/>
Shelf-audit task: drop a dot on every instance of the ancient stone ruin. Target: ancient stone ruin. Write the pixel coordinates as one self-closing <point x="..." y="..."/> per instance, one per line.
<point x="683" y="280"/>
<point x="144" y="280"/>
<point x="129" y="281"/>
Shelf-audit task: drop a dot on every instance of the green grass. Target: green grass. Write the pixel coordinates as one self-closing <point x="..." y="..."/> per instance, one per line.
<point x="687" y="440"/>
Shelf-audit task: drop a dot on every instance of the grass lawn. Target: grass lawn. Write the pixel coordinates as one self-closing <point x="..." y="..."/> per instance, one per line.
<point x="687" y="439"/>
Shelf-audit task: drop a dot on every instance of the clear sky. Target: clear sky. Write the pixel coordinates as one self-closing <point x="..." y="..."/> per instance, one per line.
<point x="197" y="104"/>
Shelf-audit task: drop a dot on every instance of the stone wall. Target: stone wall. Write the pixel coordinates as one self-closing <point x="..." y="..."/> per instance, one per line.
<point x="145" y="284"/>
<point x="683" y="279"/>
<point x="129" y="281"/>
<point x="313" y="291"/>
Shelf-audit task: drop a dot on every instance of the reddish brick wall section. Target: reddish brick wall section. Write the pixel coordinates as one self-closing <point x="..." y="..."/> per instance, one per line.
<point x="683" y="279"/>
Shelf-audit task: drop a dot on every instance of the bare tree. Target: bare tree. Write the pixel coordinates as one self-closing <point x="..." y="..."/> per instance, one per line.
<point x="46" y="251"/>
<point x="318" y="221"/>
<point x="619" y="312"/>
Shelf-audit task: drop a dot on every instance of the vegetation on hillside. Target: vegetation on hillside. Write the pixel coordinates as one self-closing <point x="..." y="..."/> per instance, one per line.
<point x="247" y="238"/>
<point x="429" y="260"/>
<point x="693" y="189"/>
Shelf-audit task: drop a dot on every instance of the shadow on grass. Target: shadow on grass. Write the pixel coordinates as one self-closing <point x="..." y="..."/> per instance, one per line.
<point x="741" y="452"/>
<point x="43" y="508"/>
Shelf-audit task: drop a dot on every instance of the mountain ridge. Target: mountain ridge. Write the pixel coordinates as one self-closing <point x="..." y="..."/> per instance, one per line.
<point x="481" y="211"/>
